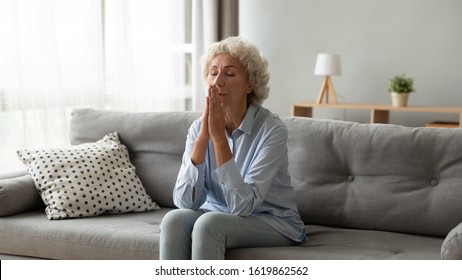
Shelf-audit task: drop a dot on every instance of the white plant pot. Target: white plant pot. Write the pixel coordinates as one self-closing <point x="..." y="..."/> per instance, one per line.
<point x="399" y="99"/>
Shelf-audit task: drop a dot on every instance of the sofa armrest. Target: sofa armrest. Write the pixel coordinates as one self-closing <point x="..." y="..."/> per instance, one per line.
<point x="18" y="194"/>
<point x="452" y="245"/>
<point x="12" y="174"/>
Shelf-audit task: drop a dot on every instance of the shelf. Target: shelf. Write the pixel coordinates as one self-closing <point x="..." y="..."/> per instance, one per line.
<point x="379" y="113"/>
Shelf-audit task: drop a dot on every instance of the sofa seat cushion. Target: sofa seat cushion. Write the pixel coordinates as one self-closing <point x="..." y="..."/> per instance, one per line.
<point x="124" y="236"/>
<point x="329" y="243"/>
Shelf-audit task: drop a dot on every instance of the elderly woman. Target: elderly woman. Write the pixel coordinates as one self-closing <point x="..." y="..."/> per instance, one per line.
<point x="233" y="188"/>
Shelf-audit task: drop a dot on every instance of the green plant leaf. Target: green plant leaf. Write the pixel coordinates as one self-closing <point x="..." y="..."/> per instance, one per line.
<point x="401" y="84"/>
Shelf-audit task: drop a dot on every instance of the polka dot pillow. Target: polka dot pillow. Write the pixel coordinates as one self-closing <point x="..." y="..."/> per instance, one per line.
<point x="87" y="180"/>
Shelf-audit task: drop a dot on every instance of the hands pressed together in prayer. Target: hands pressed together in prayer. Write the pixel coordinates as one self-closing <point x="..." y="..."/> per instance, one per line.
<point x="213" y="118"/>
<point x="213" y="127"/>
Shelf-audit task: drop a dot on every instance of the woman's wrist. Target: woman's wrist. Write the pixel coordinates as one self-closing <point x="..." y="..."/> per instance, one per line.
<point x="222" y="152"/>
<point x="199" y="150"/>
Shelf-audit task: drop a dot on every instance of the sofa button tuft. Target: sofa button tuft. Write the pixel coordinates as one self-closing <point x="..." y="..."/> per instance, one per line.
<point x="350" y="178"/>
<point x="434" y="182"/>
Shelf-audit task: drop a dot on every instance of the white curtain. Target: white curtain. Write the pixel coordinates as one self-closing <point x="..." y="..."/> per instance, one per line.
<point x="212" y="20"/>
<point x="145" y="55"/>
<point x="56" y="55"/>
<point x="50" y="61"/>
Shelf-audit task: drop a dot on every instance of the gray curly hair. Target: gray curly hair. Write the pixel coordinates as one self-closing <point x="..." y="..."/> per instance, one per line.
<point x="255" y="65"/>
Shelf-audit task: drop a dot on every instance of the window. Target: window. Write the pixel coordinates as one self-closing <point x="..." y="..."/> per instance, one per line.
<point x="148" y="54"/>
<point x="55" y="55"/>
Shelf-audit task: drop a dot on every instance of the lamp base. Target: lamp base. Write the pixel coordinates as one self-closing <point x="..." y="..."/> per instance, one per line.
<point x="326" y="89"/>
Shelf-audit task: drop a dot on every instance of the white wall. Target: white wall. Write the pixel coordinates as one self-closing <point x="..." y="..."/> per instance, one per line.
<point x="377" y="39"/>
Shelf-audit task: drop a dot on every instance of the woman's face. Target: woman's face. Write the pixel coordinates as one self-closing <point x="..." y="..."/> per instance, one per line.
<point x="227" y="74"/>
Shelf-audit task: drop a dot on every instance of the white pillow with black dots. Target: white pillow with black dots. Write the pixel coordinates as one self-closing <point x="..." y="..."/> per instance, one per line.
<point x="87" y="180"/>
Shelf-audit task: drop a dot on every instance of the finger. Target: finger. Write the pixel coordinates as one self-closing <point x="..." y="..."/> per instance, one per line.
<point x="209" y="91"/>
<point x="207" y="105"/>
<point x="214" y="93"/>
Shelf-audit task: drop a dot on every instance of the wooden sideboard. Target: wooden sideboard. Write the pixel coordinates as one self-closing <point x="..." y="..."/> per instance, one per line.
<point x="378" y="113"/>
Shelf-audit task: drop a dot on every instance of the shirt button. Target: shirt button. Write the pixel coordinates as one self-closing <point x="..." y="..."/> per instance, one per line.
<point x="222" y="185"/>
<point x="434" y="182"/>
<point x="350" y="178"/>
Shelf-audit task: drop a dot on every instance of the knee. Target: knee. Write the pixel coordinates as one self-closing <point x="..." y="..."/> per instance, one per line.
<point x="178" y="218"/>
<point x="209" y="224"/>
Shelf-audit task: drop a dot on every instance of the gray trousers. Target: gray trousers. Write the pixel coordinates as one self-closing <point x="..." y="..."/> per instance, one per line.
<point x="189" y="234"/>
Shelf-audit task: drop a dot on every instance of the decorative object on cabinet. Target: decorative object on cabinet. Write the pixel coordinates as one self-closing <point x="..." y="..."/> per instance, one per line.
<point x="327" y="65"/>
<point x="399" y="87"/>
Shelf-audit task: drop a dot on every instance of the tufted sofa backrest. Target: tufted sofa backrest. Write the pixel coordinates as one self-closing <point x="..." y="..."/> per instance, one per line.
<point x="155" y="141"/>
<point x="375" y="176"/>
<point x="367" y="176"/>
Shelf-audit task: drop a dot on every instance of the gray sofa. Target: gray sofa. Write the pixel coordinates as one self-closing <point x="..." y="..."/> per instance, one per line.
<point x="364" y="191"/>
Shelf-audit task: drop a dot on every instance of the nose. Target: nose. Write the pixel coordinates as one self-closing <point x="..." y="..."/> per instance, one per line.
<point x="219" y="80"/>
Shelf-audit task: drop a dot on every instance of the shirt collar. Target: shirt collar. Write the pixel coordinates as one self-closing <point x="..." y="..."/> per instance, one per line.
<point x="247" y="122"/>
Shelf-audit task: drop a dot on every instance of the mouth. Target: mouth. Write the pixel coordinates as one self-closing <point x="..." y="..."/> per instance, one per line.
<point x="217" y="92"/>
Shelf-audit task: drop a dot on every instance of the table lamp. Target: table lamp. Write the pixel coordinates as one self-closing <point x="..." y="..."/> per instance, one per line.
<point x="327" y="65"/>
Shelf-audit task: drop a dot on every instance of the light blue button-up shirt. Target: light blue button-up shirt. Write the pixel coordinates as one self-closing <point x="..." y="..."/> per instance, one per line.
<point x="256" y="181"/>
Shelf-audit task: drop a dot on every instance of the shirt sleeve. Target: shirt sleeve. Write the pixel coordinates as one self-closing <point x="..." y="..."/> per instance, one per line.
<point x="190" y="177"/>
<point x="244" y="194"/>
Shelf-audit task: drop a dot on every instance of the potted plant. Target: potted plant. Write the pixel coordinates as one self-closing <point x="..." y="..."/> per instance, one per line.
<point x="400" y="86"/>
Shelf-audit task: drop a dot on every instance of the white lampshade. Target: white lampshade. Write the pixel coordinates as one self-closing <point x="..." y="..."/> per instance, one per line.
<point x="328" y="65"/>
